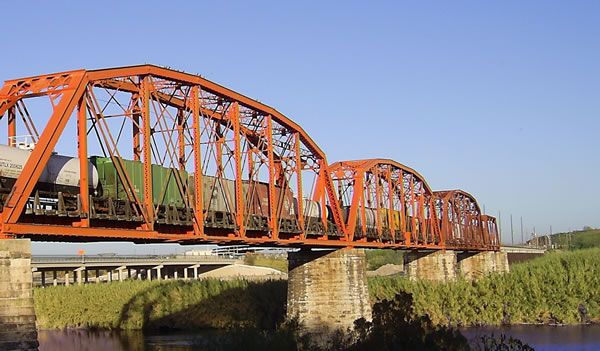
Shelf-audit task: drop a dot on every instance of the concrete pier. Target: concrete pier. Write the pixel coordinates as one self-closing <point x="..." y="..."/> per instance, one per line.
<point x="327" y="289"/>
<point x="17" y="316"/>
<point x="432" y="265"/>
<point x="475" y="265"/>
<point x="448" y="265"/>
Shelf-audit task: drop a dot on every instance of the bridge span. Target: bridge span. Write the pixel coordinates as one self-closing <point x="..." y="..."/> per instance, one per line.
<point x="119" y="268"/>
<point x="149" y="154"/>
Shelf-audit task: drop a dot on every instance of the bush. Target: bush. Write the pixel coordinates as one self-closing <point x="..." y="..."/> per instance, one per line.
<point x="560" y="287"/>
<point x="174" y="304"/>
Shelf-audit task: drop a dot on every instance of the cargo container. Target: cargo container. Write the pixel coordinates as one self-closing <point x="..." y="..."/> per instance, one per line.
<point x="165" y="190"/>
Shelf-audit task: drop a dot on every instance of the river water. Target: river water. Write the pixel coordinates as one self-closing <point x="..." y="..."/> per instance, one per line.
<point x="542" y="338"/>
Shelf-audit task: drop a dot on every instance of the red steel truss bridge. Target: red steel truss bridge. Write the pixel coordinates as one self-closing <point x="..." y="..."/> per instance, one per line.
<point x="149" y="154"/>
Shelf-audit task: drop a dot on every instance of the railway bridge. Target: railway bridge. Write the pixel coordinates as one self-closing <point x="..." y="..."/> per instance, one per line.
<point x="148" y="154"/>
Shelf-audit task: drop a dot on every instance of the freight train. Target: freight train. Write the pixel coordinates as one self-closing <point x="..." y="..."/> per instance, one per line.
<point x="57" y="193"/>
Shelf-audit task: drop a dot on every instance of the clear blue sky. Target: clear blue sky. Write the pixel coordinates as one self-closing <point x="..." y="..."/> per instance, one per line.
<point x="501" y="99"/>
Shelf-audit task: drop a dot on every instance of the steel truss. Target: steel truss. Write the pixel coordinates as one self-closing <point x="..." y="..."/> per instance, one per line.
<point x="207" y="134"/>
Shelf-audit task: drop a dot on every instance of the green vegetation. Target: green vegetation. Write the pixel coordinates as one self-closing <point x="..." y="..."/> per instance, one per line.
<point x="561" y="287"/>
<point x="277" y="262"/>
<point x="581" y="239"/>
<point x="151" y="305"/>
<point x="378" y="258"/>
<point x="375" y="259"/>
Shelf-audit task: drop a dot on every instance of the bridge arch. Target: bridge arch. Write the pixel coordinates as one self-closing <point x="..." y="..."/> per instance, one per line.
<point x="385" y="201"/>
<point x="254" y="161"/>
<point x="462" y="222"/>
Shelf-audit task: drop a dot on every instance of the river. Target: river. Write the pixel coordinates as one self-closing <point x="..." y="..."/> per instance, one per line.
<point x="542" y="338"/>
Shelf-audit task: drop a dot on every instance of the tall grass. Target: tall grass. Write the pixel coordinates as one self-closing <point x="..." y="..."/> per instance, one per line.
<point x="561" y="287"/>
<point x="175" y="304"/>
<point x="581" y="239"/>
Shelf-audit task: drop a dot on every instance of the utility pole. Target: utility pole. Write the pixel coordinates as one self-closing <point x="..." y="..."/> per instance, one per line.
<point x="500" y="225"/>
<point x="512" y="233"/>
<point x="522" y="237"/>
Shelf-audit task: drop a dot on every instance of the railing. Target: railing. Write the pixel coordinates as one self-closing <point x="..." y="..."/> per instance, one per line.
<point x="130" y="258"/>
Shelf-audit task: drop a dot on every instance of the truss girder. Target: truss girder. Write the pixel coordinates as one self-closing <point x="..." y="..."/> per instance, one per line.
<point x="209" y="139"/>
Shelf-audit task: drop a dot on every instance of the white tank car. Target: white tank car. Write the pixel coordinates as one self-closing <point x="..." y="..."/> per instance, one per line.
<point x="60" y="170"/>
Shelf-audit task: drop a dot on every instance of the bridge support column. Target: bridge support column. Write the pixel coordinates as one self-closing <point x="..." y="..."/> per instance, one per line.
<point x="433" y="265"/>
<point x="473" y="265"/>
<point x="67" y="278"/>
<point x="17" y="315"/>
<point x="54" y="278"/>
<point x="79" y="275"/>
<point x="43" y="278"/>
<point x="327" y="289"/>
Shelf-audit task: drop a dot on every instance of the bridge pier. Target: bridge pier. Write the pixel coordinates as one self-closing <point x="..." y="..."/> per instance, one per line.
<point x="447" y="265"/>
<point x="327" y="289"/>
<point x="473" y="265"/>
<point x="430" y="265"/>
<point x="17" y="316"/>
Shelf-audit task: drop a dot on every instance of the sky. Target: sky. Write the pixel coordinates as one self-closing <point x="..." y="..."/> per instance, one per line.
<point x="500" y="99"/>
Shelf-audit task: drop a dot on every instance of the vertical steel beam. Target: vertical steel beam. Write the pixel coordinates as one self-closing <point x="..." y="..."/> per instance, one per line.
<point x="181" y="139"/>
<point x="273" y="215"/>
<point x="147" y="152"/>
<point x="390" y="212"/>
<point x="12" y="126"/>
<point x="198" y="182"/>
<point x="403" y="208"/>
<point x="83" y="162"/>
<point x="136" y="116"/>
<point x="378" y="202"/>
<point x="235" y="117"/>
<point x="300" y="195"/>
<point x="353" y="212"/>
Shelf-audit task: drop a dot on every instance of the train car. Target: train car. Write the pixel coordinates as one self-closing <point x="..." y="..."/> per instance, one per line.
<point x="60" y="175"/>
<point x="110" y="198"/>
<point x="165" y="183"/>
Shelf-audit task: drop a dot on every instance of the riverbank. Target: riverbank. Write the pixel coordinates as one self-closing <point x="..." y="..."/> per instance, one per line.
<point x="561" y="287"/>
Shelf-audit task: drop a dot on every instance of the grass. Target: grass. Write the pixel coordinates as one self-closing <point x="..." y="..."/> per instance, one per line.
<point x="555" y="288"/>
<point x="151" y="305"/>
<point x="378" y="258"/>
<point x="550" y="289"/>
<point x="582" y="239"/>
<point x="277" y="262"/>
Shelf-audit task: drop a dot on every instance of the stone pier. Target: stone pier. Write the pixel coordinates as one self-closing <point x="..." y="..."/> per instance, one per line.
<point x="327" y="289"/>
<point x="473" y="265"/>
<point x="447" y="265"/>
<point x="17" y="316"/>
<point x="431" y="265"/>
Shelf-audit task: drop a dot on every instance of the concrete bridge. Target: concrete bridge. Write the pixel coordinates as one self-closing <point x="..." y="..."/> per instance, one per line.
<point x="83" y="269"/>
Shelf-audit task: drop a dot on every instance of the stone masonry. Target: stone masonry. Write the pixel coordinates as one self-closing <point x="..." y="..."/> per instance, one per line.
<point x="328" y="289"/>
<point x="436" y="265"/>
<point x="475" y="265"/>
<point x="17" y="316"/>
